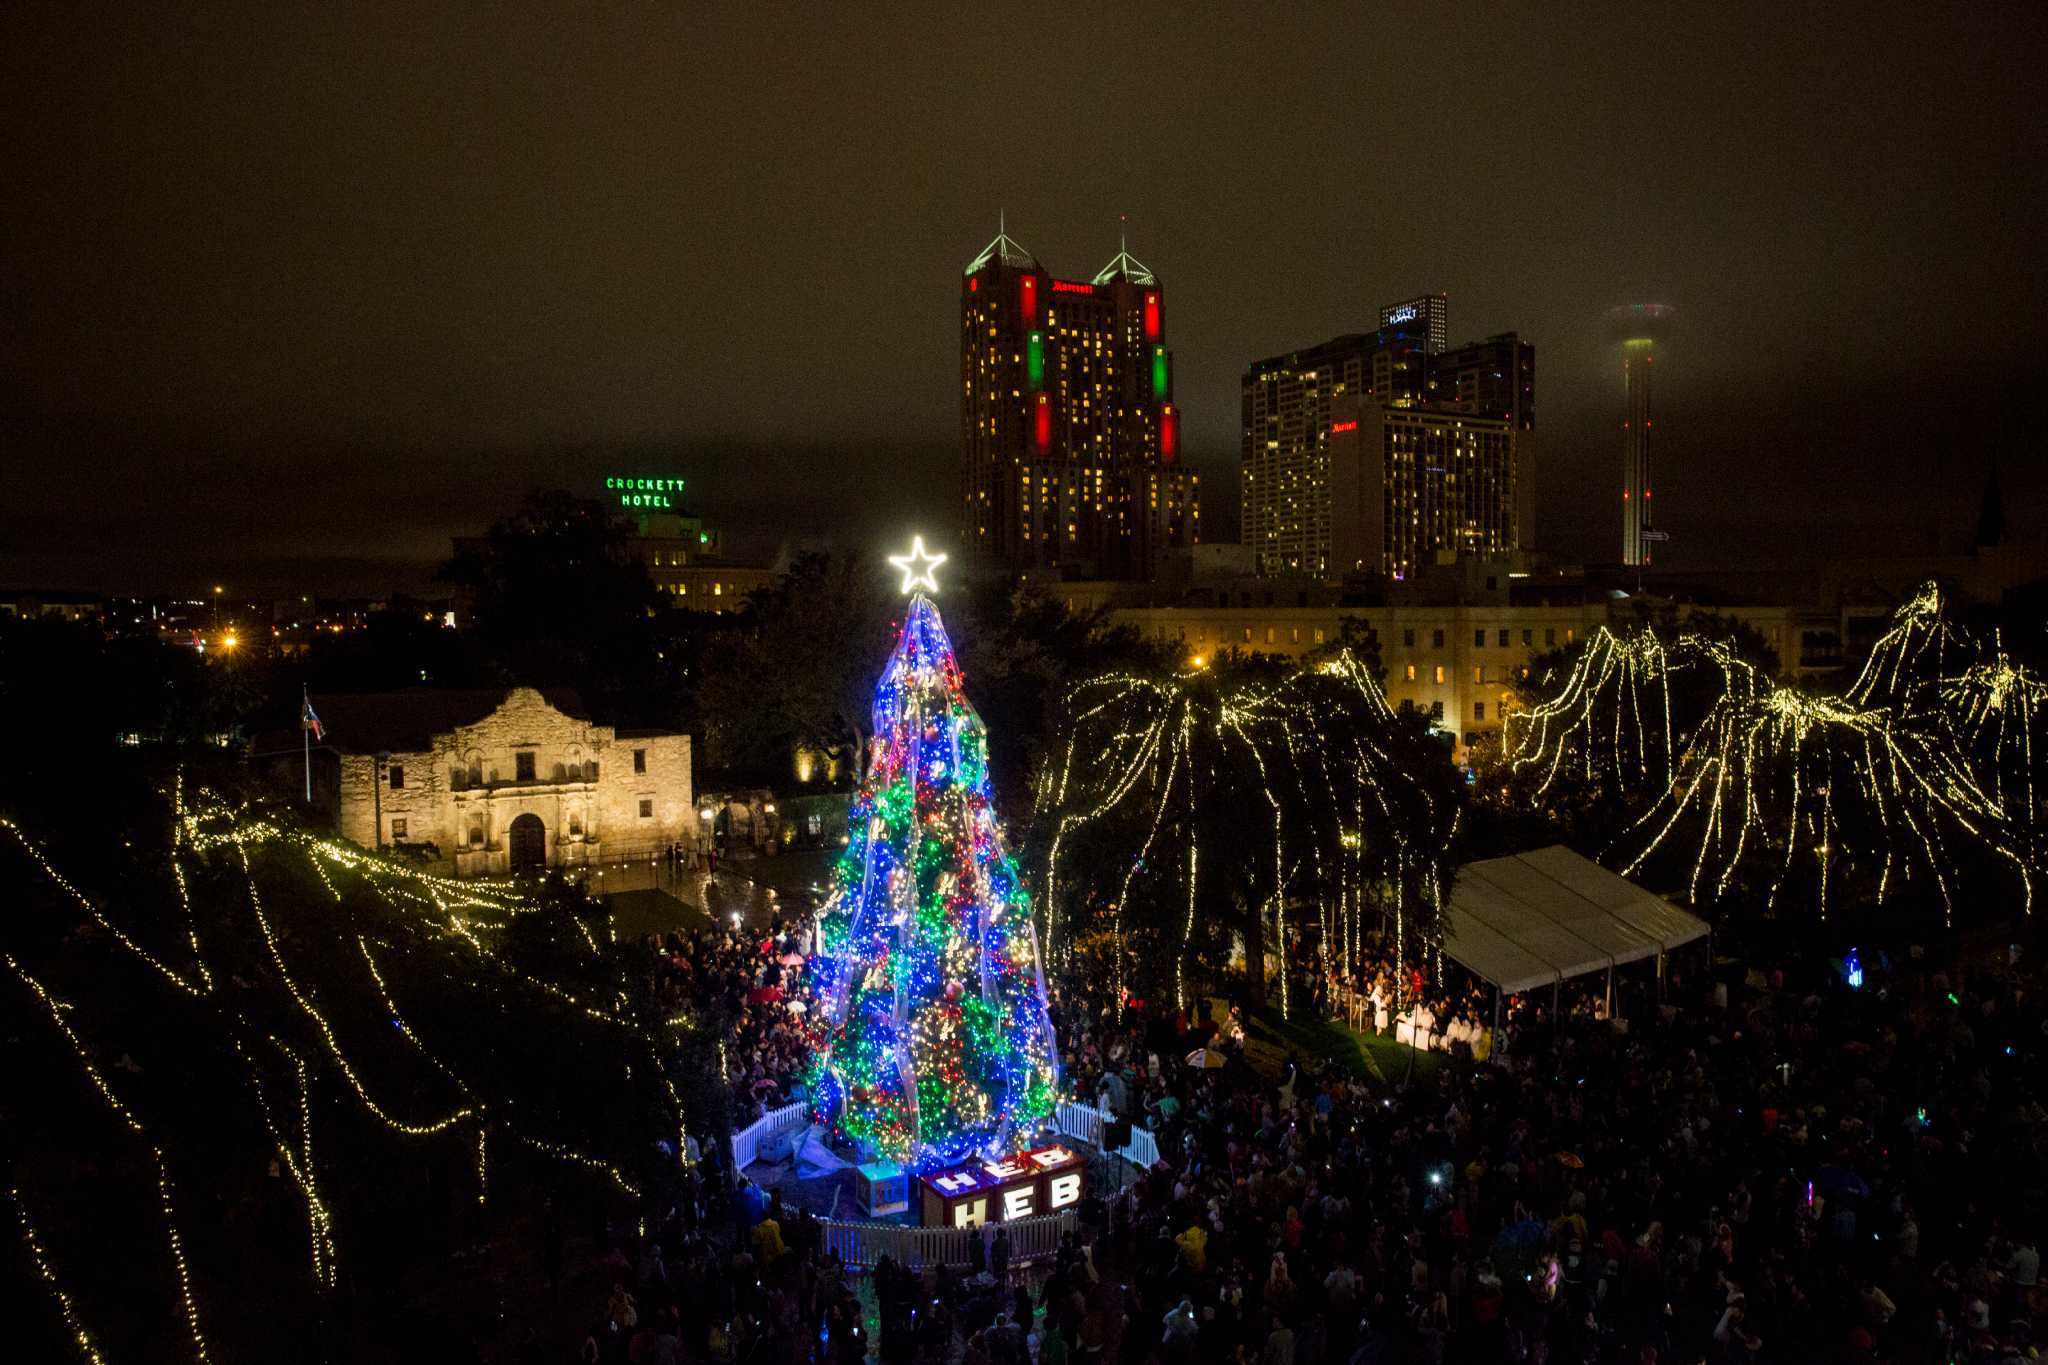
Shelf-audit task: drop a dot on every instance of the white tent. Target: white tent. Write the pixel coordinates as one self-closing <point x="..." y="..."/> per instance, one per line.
<point x="1539" y="918"/>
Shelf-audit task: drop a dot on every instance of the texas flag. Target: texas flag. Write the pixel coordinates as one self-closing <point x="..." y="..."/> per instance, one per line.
<point x="311" y="722"/>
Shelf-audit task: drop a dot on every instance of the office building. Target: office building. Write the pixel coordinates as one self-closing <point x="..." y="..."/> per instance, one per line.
<point x="1069" y="435"/>
<point x="685" y="564"/>
<point x="1429" y="314"/>
<point x="1407" y="483"/>
<point x="1639" y="327"/>
<point x="1285" y="406"/>
<point x="1373" y="451"/>
<point x="1497" y="378"/>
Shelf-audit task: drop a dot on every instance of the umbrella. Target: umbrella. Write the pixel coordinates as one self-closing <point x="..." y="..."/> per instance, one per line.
<point x="798" y="1007"/>
<point x="1205" y="1059"/>
<point x="1836" y="1180"/>
<point x="791" y="959"/>
<point x="1571" y="1161"/>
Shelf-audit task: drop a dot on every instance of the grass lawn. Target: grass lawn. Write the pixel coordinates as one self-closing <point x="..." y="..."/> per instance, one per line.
<point x="1268" y="1040"/>
<point x="650" y="911"/>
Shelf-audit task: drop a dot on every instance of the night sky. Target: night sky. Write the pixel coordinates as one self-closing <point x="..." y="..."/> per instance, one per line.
<point x="291" y="296"/>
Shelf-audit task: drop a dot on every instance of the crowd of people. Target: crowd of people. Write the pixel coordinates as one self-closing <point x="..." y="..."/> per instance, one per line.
<point x="751" y="983"/>
<point x="1788" y="1171"/>
<point x="1727" y="1180"/>
<point x="1390" y="998"/>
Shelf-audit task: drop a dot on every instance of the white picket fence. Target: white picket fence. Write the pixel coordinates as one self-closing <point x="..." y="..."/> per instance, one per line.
<point x="864" y="1243"/>
<point x="1085" y="1121"/>
<point x="746" y="1143"/>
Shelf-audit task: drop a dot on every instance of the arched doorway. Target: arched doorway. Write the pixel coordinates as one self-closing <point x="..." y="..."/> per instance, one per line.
<point x="529" y="843"/>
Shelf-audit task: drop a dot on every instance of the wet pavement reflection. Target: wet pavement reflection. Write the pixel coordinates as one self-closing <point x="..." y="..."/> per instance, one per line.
<point x="755" y="889"/>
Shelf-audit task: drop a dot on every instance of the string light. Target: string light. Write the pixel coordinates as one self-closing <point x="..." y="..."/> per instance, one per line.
<point x="79" y="1334"/>
<point x="326" y="1031"/>
<point x="134" y="1125"/>
<point x="569" y="1154"/>
<point x="1915" y="761"/>
<point x="1344" y="809"/>
<point x="126" y="942"/>
<point x="933" y="1037"/>
<point x="204" y="826"/>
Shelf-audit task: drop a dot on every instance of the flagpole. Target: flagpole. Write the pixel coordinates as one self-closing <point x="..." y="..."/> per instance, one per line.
<point x="306" y="733"/>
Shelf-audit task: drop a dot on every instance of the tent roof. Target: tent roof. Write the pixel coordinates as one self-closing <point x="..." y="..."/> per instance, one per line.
<point x="1534" y="918"/>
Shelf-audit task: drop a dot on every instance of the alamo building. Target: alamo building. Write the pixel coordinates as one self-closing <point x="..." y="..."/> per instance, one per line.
<point x="489" y="783"/>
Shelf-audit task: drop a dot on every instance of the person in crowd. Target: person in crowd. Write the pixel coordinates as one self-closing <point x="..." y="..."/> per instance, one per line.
<point x="1714" y="1175"/>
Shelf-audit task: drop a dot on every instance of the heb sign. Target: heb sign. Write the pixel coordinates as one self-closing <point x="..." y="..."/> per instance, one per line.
<point x="981" y="1192"/>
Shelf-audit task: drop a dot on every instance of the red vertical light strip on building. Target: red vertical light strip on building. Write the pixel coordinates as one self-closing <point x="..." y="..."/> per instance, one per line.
<point x="1151" y="317"/>
<point x="1027" y="297"/>
<point x="1042" y="423"/>
<point x="1169" y="434"/>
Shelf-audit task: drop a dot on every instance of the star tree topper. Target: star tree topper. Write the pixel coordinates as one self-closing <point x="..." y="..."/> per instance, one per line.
<point x="914" y="577"/>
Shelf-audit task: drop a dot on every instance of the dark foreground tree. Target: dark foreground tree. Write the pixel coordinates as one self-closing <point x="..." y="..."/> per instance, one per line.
<point x="559" y="601"/>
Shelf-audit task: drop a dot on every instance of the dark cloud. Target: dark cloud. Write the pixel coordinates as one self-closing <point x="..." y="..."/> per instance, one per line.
<point x="341" y="282"/>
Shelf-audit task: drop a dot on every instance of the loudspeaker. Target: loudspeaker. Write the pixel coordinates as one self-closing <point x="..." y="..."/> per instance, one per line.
<point x="1116" y="1135"/>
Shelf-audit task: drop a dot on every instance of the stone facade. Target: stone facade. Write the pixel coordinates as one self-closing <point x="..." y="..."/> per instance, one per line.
<point x="469" y="803"/>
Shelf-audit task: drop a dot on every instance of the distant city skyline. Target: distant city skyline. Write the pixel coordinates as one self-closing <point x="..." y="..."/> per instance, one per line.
<point x="294" y="300"/>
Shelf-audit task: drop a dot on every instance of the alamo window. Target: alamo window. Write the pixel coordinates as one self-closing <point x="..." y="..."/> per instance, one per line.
<point x="639" y="760"/>
<point x="646" y="808"/>
<point x="522" y="767"/>
<point x="398" y="829"/>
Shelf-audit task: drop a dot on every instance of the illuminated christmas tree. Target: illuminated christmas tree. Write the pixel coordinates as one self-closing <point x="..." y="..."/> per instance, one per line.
<point x="936" y="1040"/>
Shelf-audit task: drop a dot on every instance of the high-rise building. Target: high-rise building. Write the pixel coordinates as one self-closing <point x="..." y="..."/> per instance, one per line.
<point x="1285" y="405"/>
<point x="1431" y="314"/>
<point x="1639" y="327"/>
<point x="1470" y="412"/>
<point x="1497" y="378"/>
<point x="1069" y="435"/>
<point x="1407" y="482"/>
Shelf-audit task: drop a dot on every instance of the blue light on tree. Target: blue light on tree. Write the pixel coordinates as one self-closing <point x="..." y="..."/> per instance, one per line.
<point x="937" y="1043"/>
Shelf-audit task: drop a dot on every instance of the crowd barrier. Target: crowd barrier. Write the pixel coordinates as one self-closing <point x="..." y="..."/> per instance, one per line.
<point x="865" y="1243"/>
<point x="746" y="1143"/>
